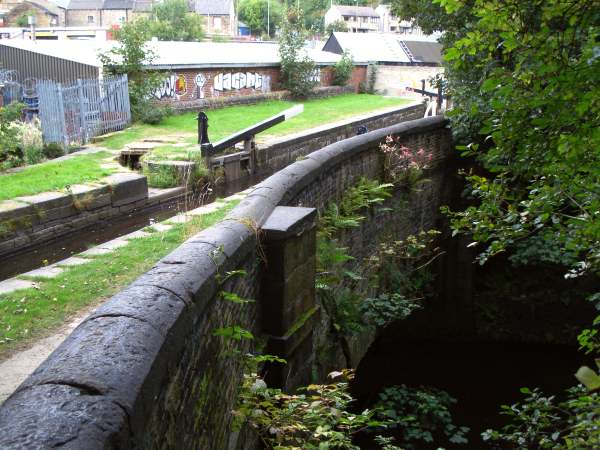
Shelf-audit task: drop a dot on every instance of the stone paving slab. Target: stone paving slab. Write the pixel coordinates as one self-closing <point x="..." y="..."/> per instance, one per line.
<point x="72" y="261"/>
<point x="136" y="234"/>
<point x="96" y="251"/>
<point x="45" y="272"/>
<point x="14" y="284"/>
<point x="115" y="243"/>
<point x="160" y="227"/>
<point x="180" y="218"/>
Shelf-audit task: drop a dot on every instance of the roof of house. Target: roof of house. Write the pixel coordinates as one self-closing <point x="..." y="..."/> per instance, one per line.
<point x="385" y="47"/>
<point x="118" y="4"/>
<point x="64" y="4"/>
<point x="426" y="52"/>
<point x="356" y="11"/>
<point x="175" y="55"/>
<point x="85" y="4"/>
<point x="213" y="7"/>
<point x="137" y="5"/>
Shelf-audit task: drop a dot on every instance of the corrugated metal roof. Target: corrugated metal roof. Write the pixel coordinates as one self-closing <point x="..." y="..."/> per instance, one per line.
<point x="173" y="55"/>
<point x="371" y="46"/>
<point x="426" y="52"/>
<point x="385" y="47"/>
<point x="213" y="7"/>
<point x="356" y="11"/>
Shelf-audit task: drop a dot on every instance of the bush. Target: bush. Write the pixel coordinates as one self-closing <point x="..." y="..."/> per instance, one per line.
<point x="30" y="137"/>
<point x="53" y="150"/>
<point x="342" y="71"/>
<point x="11" y="152"/>
<point x="148" y="112"/>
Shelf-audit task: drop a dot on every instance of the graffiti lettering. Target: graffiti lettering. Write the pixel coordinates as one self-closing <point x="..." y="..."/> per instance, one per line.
<point x="241" y="80"/>
<point x="167" y="88"/>
<point x="172" y="86"/>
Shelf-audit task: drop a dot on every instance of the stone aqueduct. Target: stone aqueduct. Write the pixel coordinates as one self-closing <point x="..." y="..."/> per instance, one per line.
<point x="145" y="370"/>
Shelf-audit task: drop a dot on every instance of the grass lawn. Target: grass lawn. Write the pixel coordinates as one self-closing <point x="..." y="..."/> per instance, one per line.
<point x="225" y="121"/>
<point x="30" y="313"/>
<point x="53" y="175"/>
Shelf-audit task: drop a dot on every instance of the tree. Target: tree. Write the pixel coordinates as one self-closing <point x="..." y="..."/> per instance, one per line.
<point x="525" y="79"/>
<point x="131" y="56"/>
<point x="342" y="71"/>
<point x="338" y="25"/>
<point x="172" y="21"/>
<point x="254" y="14"/>
<point x="297" y="69"/>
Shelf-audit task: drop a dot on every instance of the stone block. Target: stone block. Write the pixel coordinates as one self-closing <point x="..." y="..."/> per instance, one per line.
<point x="127" y="188"/>
<point x="47" y="200"/>
<point x="54" y="415"/>
<point x="286" y="221"/>
<point x="87" y="197"/>
<point x="11" y="210"/>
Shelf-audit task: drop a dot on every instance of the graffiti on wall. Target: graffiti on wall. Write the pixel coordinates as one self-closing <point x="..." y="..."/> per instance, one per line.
<point x="174" y="86"/>
<point x="241" y="80"/>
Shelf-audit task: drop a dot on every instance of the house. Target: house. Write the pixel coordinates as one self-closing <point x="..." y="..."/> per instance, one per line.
<point x="14" y="13"/>
<point x="389" y="23"/>
<point x="104" y="13"/>
<point x="403" y="61"/>
<point x="219" y="16"/>
<point x="359" y="19"/>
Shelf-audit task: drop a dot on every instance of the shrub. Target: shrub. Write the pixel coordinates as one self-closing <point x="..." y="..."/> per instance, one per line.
<point x="422" y="415"/>
<point x="53" y="150"/>
<point x="30" y="137"/>
<point x="11" y="152"/>
<point x="148" y="112"/>
<point x="342" y="71"/>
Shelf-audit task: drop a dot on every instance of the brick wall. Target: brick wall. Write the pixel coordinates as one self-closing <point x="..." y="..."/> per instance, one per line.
<point x="189" y="85"/>
<point x="145" y="370"/>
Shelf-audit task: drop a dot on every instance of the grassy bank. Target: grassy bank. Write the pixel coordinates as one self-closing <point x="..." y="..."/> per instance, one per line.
<point x="225" y="121"/>
<point x="30" y="313"/>
<point x="54" y="175"/>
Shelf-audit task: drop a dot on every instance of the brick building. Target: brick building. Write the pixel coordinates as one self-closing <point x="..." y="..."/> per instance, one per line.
<point x="192" y="70"/>
<point x="46" y="13"/>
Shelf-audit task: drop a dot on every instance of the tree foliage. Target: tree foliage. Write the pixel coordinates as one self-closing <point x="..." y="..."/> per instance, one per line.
<point x="254" y="14"/>
<point x="171" y="20"/>
<point x="131" y="56"/>
<point x="338" y="25"/>
<point x="297" y="68"/>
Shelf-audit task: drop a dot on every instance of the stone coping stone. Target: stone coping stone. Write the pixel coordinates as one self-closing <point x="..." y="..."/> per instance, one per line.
<point x="286" y="221"/>
<point x="147" y="146"/>
<point x="47" y="200"/>
<point x="14" y="284"/>
<point x="127" y="187"/>
<point x="12" y="209"/>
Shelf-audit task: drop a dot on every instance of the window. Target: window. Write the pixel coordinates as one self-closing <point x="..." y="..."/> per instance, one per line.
<point x="90" y="19"/>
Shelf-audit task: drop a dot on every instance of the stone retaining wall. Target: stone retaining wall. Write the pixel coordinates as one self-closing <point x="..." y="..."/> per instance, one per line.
<point x="32" y="220"/>
<point x="146" y="369"/>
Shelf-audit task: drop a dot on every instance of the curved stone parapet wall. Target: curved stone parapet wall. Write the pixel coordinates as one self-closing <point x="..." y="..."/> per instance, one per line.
<point x="145" y="370"/>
